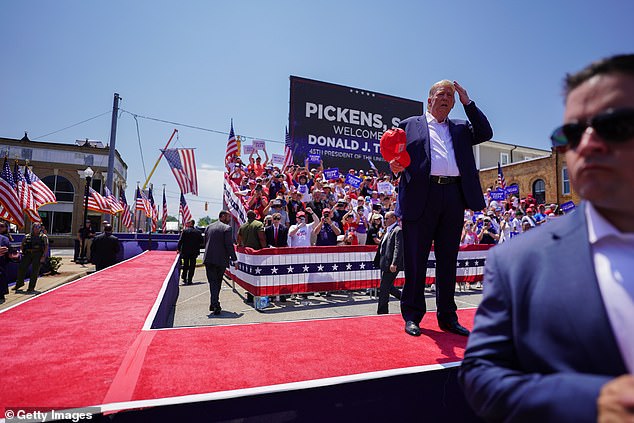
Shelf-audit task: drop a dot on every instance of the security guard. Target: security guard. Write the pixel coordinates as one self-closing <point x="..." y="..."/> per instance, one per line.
<point x="34" y="253"/>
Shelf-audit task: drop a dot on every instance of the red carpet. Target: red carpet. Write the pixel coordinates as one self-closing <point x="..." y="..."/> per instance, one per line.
<point x="83" y="344"/>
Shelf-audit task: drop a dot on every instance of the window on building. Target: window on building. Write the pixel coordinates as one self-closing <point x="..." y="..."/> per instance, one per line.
<point x="63" y="189"/>
<point x="504" y="158"/>
<point x="565" y="181"/>
<point x="58" y="217"/>
<point x="539" y="191"/>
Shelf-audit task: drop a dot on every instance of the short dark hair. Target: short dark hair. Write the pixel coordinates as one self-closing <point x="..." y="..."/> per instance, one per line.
<point x="222" y="214"/>
<point x="623" y="63"/>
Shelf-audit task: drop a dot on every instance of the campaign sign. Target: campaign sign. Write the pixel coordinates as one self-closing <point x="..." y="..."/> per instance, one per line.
<point x="353" y="181"/>
<point x="277" y="159"/>
<point x="343" y="124"/>
<point x="385" y="187"/>
<point x="567" y="207"/>
<point x="498" y="195"/>
<point x="247" y="149"/>
<point x="313" y="159"/>
<point x="331" y="174"/>
<point x="258" y="144"/>
<point x="512" y="190"/>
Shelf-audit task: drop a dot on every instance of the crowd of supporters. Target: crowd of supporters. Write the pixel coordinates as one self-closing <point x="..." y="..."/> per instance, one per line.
<point x="317" y="211"/>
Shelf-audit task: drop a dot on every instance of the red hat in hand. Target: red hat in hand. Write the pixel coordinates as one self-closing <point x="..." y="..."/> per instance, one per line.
<point x="393" y="143"/>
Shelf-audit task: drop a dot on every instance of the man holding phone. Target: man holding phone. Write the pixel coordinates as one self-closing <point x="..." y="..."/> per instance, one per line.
<point x="326" y="230"/>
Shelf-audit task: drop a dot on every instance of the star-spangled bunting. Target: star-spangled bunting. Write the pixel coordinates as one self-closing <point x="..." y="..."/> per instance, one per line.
<point x="184" y="210"/>
<point x="183" y="165"/>
<point x="11" y="210"/>
<point x="164" y="217"/>
<point x="27" y="204"/>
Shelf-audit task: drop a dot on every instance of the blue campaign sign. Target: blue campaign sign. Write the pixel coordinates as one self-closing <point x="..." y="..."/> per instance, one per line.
<point x="567" y="207"/>
<point x="343" y="124"/>
<point x="512" y="190"/>
<point x="498" y="195"/>
<point x="353" y="181"/>
<point x="332" y="173"/>
<point x="314" y="158"/>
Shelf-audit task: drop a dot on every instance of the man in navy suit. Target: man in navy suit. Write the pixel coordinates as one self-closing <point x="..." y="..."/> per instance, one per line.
<point x="276" y="234"/>
<point x="553" y="339"/>
<point x="440" y="182"/>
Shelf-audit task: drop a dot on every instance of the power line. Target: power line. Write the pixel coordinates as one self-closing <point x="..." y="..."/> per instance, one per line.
<point x="75" y="124"/>
<point x="215" y="131"/>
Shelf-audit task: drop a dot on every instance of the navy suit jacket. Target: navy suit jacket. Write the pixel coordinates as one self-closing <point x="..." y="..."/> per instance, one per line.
<point x="542" y="344"/>
<point x="282" y="236"/>
<point x="414" y="184"/>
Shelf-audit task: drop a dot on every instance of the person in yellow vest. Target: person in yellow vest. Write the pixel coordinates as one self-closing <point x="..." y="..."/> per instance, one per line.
<point x="34" y="253"/>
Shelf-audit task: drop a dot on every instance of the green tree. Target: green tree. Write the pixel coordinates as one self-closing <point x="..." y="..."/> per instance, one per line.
<point x="171" y="218"/>
<point x="204" y="221"/>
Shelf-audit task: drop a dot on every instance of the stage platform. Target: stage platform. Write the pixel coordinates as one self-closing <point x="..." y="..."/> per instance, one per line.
<point x="98" y="342"/>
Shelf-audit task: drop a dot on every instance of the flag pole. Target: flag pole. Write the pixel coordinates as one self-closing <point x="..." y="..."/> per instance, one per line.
<point x="159" y="159"/>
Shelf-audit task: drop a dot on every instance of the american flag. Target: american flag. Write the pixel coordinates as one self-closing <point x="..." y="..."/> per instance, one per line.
<point x="184" y="210"/>
<point x="126" y="216"/>
<point x="288" y="151"/>
<point x="164" y="217"/>
<point x="142" y="202"/>
<point x="183" y="165"/>
<point x="150" y="197"/>
<point x="115" y="206"/>
<point x="25" y="195"/>
<point x="501" y="180"/>
<point x="97" y="202"/>
<point x="42" y="194"/>
<point x="11" y="210"/>
<point x="232" y="145"/>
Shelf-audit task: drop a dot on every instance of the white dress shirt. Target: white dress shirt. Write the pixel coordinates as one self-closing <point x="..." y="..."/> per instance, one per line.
<point x="613" y="255"/>
<point x="443" y="158"/>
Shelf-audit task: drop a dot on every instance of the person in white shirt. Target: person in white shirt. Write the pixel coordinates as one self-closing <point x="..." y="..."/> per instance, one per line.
<point x="299" y="235"/>
<point x="553" y="339"/>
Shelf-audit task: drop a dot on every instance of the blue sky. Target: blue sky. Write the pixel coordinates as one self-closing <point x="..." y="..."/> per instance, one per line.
<point x="202" y="63"/>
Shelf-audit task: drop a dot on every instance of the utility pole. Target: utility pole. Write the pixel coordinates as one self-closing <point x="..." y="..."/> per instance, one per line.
<point x="113" y="139"/>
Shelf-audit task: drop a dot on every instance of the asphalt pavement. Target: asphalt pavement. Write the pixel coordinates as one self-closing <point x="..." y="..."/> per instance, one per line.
<point x="192" y="307"/>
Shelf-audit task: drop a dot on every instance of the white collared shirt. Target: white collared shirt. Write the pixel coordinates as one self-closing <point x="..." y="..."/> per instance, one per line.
<point x="443" y="158"/>
<point x="388" y="230"/>
<point x="613" y="255"/>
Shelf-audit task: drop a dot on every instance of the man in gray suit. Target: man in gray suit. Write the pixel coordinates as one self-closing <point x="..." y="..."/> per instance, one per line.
<point x="219" y="252"/>
<point x="389" y="258"/>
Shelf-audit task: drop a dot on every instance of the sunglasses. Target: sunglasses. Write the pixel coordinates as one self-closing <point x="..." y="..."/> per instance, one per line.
<point x="278" y="218"/>
<point x="615" y="126"/>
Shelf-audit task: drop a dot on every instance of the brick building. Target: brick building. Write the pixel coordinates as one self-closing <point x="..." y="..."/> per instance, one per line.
<point x="544" y="177"/>
<point x="61" y="167"/>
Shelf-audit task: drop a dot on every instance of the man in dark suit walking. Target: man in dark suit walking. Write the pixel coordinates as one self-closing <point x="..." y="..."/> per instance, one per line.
<point x="189" y="248"/>
<point x="276" y="234"/>
<point x="219" y="252"/>
<point x="553" y="339"/>
<point x="439" y="183"/>
<point x="389" y="258"/>
<point x="104" y="249"/>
